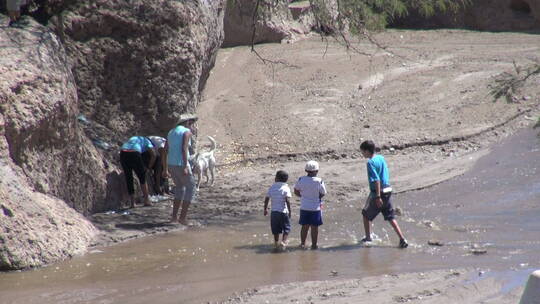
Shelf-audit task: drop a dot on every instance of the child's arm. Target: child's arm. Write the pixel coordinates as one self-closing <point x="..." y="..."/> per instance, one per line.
<point x="266" y="200"/>
<point x="322" y="190"/>
<point x="288" y="200"/>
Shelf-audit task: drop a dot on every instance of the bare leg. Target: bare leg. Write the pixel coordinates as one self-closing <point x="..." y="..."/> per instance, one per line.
<point x="14" y="15"/>
<point x="397" y="229"/>
<point x="132" y="200"/>
<point x="157" y="181"/>
<point x="144" y="188"/>
<point x="199" y="180"/>
<point x="284" y="238"/>
<point x="176" y="206"/>
<point x="314" y="236"/>
<point x="276" y="240"/>
<point x="367" y="228"/>
<point x="303" y="235"/>
<point x="184" y="212"/>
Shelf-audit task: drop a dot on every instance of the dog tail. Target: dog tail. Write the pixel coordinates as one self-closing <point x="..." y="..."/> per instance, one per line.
<point x="214" y="144"/>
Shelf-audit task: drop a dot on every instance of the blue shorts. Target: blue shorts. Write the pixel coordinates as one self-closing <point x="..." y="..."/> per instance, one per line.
<point x="313" y="218"/>
<point x="280" y="222"/>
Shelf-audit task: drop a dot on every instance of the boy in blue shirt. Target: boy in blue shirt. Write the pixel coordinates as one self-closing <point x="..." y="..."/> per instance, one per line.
<point x="380" y="193"/>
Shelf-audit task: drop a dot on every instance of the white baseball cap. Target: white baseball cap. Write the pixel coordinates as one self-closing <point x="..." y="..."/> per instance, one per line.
<point x="312" y="166"/>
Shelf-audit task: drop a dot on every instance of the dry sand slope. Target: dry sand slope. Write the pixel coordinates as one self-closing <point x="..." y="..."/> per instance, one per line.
<point x="431" y="86"/>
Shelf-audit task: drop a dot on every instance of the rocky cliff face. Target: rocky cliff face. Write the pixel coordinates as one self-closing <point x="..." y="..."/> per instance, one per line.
<point x="139" y="64"/>
<point x="274" y="23"/>
<point x="490" y="15"/>
<point x="128" y="68"/>
<point x="43" y="153"/>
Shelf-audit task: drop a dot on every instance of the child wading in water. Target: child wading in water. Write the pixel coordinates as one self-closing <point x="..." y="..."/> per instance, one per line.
<point x="380" y="192"/>
<point x="311" y="190"/>
<point x="280" y="194"/>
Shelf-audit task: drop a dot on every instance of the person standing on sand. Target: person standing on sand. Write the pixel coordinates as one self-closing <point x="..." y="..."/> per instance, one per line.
<point x="280" y="195"/>
<point x="380" y="192"/>
<point x="311" y="190"/>
<point x="131" y="158"/>
<point x="176" y="162"/>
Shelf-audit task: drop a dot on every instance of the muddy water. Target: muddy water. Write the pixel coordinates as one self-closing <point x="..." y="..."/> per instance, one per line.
<point x="495" y="207"/>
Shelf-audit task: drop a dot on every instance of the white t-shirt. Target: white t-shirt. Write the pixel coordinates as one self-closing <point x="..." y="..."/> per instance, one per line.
<point x="278" y="194"/>
<point x="310" y="190"/>
<point x="158" y="142"/>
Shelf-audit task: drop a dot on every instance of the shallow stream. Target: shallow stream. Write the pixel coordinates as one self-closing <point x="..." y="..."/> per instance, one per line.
<point x="494" y="207"/>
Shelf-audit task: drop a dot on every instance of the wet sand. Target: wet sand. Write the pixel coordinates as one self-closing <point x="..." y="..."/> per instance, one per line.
<point x="492" y="207"/>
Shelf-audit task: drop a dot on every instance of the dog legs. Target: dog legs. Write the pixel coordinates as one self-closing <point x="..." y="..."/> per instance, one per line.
<point x="212" y="168"/>
<point x="199" y="178"/>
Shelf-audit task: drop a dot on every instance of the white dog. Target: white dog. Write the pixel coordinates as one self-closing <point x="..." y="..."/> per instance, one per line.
<point x="204" y="162"/>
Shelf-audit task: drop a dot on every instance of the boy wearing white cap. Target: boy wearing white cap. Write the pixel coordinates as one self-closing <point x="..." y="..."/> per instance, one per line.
<point x="311" y="190"/>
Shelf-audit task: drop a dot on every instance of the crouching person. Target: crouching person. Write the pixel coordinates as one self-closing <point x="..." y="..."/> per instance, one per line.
<point x="131" y="159"/>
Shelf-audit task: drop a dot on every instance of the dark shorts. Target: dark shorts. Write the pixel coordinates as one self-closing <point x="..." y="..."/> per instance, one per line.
<point x="280" y="222"/>
<point x="132" y="161"/>
<point x="371" y="211"/>
<point x="313" y="218"/>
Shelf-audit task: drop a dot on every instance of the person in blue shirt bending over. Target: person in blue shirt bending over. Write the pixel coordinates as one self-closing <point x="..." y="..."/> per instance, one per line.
<point x="131" y="159"/>
<point x="378" y="200"/>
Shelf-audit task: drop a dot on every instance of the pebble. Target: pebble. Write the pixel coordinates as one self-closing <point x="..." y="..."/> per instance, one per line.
<point x="435" y="243"/>
<point x="478" y="251"/>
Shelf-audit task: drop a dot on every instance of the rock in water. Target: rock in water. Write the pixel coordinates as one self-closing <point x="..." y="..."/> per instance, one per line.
<point x="435" y="243"/>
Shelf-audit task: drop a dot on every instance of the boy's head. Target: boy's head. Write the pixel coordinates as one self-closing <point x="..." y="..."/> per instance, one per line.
<point x="282" y="176"/>
<point x="367" y="148"/>
<point x="312" y="167"/>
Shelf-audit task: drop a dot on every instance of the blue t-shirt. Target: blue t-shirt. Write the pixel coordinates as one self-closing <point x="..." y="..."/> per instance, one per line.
<point x="138" y="143"/>
<point x="175" y="140"/>
<point x="378" y="171"/>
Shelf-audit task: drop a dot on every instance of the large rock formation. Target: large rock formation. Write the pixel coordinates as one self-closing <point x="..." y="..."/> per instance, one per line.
<point x="275" y="21"/>
<point x="490" y="15"/>
<point x="43" y="153"/>
<point x="139" y="64"/>
<point x="128" y="68"/>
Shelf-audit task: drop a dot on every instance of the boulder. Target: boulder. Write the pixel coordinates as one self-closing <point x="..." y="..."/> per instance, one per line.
<point x="43" y="153"/>
<point x="137" y="66"/>
<point x="39" y="103"/>
<point x="274" y="23"/>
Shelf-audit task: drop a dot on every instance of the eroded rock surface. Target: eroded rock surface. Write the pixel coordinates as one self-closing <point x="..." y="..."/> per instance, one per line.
<point x="43" y="154"/>
<point x="127" y="69"/>
<point x="274" y="23"/>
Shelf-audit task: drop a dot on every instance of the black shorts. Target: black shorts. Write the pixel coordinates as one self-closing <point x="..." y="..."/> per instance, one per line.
<point x="371" y="210"/>
<point x="280" y="222"/>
